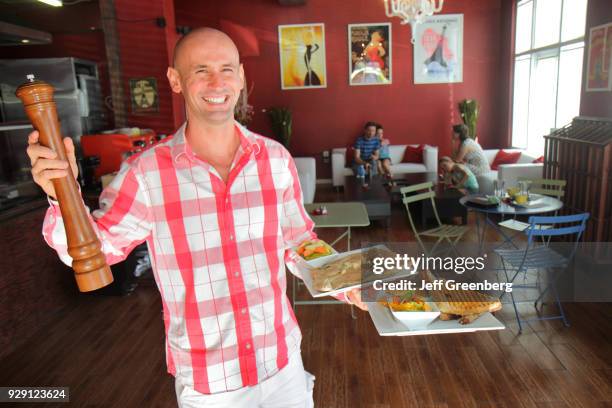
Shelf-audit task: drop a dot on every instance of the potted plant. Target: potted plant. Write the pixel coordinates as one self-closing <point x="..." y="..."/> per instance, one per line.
<point x="280" y="119"/>
<point x="243" y="112"/>
<point x="469" y="109"/>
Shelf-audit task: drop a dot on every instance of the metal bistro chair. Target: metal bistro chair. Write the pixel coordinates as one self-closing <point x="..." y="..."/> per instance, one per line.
<point x="444" y="232"/>
<point x="548" y="187"/>
<point x="542" y="257"/>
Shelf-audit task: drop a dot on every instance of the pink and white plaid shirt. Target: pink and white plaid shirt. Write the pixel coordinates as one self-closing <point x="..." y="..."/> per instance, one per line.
<point x="218" y="253"/>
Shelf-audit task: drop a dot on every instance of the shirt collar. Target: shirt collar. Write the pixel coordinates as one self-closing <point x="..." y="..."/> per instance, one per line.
<point x="180" y="148"/>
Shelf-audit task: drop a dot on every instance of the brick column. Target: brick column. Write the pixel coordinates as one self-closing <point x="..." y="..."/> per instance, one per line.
<point x="111" y="41"/>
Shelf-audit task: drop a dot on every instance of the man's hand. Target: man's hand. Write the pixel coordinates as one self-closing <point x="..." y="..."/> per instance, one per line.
<point x="354" y="297"/>
<point x="46" y="166"/>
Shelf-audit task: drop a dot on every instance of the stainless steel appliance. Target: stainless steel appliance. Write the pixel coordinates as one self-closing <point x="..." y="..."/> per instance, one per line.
<point x="79" y="104"/>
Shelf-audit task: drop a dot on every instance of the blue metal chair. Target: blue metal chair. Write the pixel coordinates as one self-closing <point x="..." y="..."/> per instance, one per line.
<point x="541" y="256"/>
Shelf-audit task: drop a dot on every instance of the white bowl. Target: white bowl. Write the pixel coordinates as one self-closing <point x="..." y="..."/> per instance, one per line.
<point x="416" y="320"/>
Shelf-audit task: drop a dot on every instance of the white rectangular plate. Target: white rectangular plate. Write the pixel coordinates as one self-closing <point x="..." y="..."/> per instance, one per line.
<point x="387" y="325"/>
<point x="305" y="268"/>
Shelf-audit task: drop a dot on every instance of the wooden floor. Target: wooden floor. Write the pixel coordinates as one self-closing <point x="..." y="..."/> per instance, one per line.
<point x="109" y="351"/>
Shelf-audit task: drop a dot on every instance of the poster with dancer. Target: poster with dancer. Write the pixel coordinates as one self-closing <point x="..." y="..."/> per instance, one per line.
<point x="438" y="50"/>
<point x="598" y="62"/>
<point x="369" y="54"/>
<point x="302" y="56"/>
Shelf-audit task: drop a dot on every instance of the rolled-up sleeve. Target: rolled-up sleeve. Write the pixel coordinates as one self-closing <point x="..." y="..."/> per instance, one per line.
<point x="122" y="222"/>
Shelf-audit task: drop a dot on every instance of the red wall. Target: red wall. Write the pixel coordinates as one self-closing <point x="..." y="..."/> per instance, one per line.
<point x="597" y="104"/>
<point x="144" y="53"/>
<point x="334" y="116"/>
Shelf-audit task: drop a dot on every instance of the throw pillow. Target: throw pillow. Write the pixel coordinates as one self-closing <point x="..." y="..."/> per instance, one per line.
<point x="503" y="157"/>
<point x="413" y="154"/>
<point x="539" y="160"/>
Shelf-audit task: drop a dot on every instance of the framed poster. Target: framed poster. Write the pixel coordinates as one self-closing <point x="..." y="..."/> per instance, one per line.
<point x="598" y="62"/>
<point x="302" y="56"/>
<point x="369" y="54"/>
<point x="143" y="92"/>
<point x="438" y="50"/>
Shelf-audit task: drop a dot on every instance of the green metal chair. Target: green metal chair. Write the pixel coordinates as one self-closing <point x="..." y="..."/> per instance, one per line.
<point x="443" y="232"/>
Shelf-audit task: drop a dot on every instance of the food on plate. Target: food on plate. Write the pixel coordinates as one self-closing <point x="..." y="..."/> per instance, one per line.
<point x="408" y="302"/>
<point x="345" y="271"/>
<point x="342" y="272"/>
<point x="314" y="248"/>
<point x="465" y="305"/>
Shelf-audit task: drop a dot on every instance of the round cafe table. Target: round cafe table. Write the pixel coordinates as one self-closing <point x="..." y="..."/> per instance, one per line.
<point x="538" y="204"/>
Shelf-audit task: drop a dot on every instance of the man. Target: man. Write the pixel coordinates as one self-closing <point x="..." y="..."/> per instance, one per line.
<point x="366" y="152"/>
<point x="219" y="207"/>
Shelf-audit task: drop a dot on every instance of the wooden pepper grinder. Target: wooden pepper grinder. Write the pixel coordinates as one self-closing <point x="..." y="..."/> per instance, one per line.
<point x="88" y="261"/>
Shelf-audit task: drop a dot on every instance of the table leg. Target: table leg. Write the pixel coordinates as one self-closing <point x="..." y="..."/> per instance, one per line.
<point x="294" y="289"/>
<point x="483" y="233"/>
<point x="477" y="216"/>
<point x="348" y="238"/>
<point x="501" y="232"/>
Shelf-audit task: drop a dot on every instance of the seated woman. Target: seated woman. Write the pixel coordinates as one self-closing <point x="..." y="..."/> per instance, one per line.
<point x="384" y="159"/>
<point x="459" y="176"/>
<point x="469" y="151"/>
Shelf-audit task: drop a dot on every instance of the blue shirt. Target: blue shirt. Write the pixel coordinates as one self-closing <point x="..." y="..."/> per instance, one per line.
<point x="367" y="146"/>
<point x="384" y="152"/>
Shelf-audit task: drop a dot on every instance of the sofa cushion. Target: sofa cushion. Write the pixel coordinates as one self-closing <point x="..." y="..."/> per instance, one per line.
<point x="485" y="182"/>
<point x="403" y="168"/>
<point x="538" y="160"/>
<point x="307" y="174"/>
<point x="396" y="152"/>
<point x="413" y="154"/>
<point x="503" y="157"/>
<point x="525" y="158"/>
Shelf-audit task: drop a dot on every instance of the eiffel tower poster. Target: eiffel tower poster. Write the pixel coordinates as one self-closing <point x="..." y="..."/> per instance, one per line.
<point x="438" y="51"/>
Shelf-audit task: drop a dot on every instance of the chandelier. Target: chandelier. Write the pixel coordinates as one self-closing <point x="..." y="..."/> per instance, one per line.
<point x="412" y="12"/>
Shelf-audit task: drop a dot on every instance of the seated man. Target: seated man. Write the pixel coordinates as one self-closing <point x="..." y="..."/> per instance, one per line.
<point x="366" y="151"/>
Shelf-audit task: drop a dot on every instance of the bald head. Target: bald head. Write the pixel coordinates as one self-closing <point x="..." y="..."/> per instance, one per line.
<point x="200" y="37"/>
<point x="207" y="72"/>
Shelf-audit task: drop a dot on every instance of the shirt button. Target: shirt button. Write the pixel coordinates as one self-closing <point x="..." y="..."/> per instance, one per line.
<point x="243" y="310"/>
<point x="236" y="274"/>
<point x="248" y="345"/>
<point x="231" y="237"/>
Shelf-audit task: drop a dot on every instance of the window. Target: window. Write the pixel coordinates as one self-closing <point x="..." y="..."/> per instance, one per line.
<point x="549" y="46"/>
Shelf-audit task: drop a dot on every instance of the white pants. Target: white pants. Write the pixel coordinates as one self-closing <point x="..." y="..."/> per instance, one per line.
<point x="291" y="387"/>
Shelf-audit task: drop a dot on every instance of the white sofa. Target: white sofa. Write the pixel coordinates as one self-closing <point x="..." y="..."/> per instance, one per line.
<point x="509" y="173"/>
<point x="307" y="173"/>
<point x="430" y="162"/>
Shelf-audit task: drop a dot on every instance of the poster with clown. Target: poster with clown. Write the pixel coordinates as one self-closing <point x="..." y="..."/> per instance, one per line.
<point x="438" y="50"/>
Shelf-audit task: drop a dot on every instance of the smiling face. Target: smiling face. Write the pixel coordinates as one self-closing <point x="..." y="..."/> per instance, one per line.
<point x="207" y="71"/>
<point x="369" y="132"/>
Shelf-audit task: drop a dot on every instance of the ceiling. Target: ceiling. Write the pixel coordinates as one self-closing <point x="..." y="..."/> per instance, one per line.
<point x="76" y="18"/>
